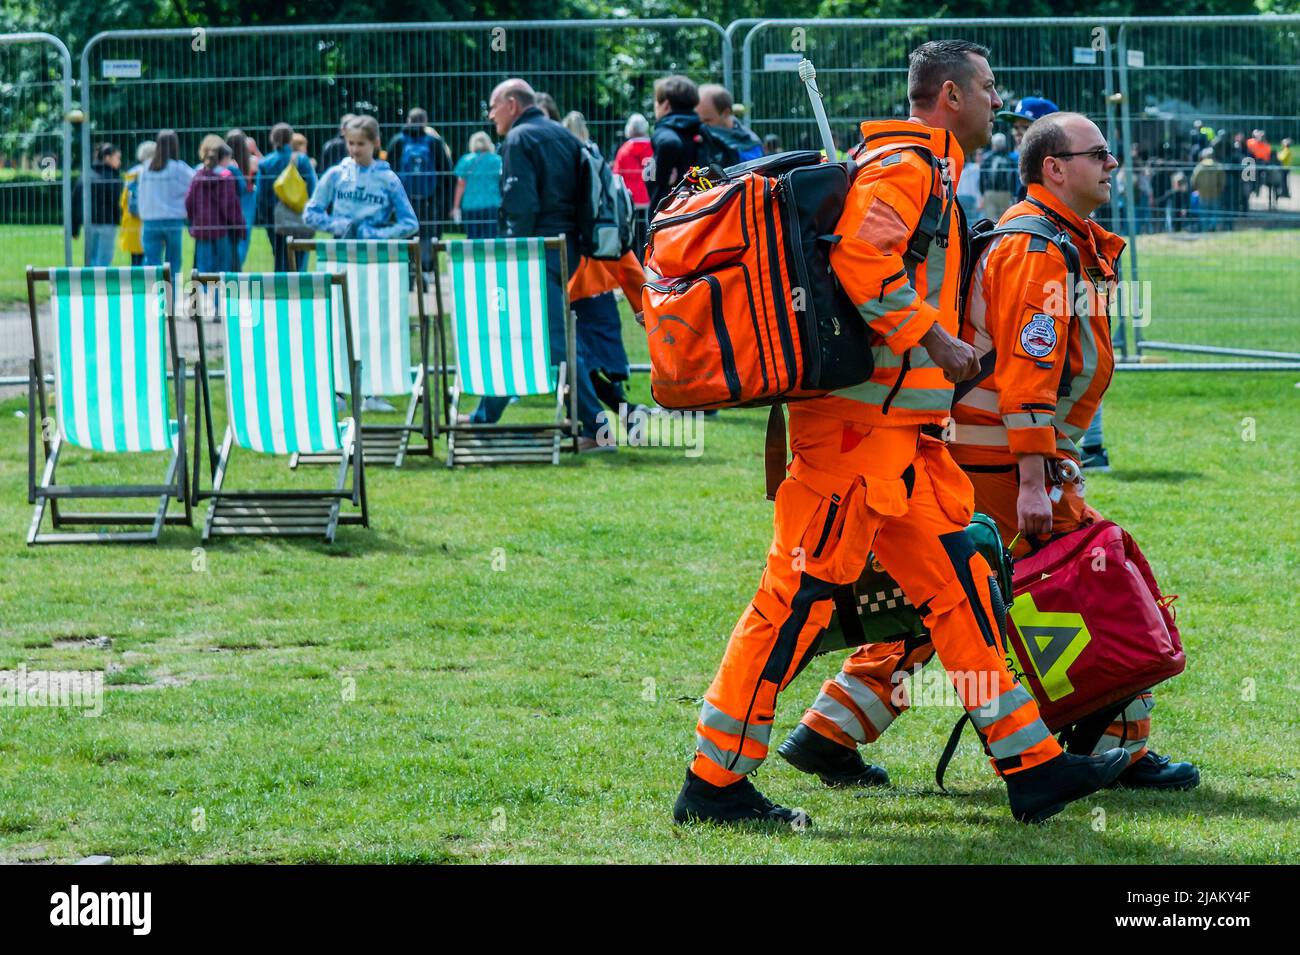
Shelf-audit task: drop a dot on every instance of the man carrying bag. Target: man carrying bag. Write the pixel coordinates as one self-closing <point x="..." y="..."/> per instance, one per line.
<point x="869" y="473"/>
<point x="1037" y="317"/>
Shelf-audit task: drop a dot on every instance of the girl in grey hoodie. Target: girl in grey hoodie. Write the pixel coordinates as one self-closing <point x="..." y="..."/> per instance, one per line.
<point x="361" y="197"/>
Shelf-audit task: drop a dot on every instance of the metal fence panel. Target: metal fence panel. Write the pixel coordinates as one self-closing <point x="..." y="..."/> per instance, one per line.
<point x="1217" y="241"/>
<point x="35" y="186"/>
<point x="1216" y="274"/>
<point x="862" y="67"/>
<point x="1208" y="276"/>
<point x="200" y="82"/>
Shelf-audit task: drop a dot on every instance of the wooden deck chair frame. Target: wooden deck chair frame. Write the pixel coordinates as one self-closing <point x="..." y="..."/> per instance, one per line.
<point x="45" y="494"/>
<point x="390" y="443"/>
<point x="278" y="512"/>
<point x="528" y="442"/>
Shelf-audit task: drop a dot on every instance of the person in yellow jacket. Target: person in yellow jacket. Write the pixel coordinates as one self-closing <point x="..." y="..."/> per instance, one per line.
<point x="128" y="232"/>
<point x="870" y="474"/>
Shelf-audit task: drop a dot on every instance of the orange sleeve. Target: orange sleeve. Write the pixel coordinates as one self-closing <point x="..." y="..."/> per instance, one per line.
<point x="588" y="279"/>
<point x="630" y="276"/>
<point x="595" y="277"/>
<point x="882" y="211"/>
<point x="1029" y="323"/>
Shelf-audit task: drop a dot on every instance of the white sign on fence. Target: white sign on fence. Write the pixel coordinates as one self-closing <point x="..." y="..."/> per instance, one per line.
<point x="1137" y="58"/>
<point x="1085" y="56"/>
<point x="782" y="61"/>
<point x="121" y="69"/>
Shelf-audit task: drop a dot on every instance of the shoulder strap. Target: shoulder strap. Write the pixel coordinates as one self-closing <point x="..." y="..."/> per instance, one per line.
<point x="1043" y="228"/>
<point x="935" y="214"/>
<point x="949" y="749"/>
<point x="774" y="450"/>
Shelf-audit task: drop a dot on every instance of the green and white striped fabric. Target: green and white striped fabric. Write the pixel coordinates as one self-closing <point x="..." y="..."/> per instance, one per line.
<point x="280" y="361"/>
<point x="110" y="355"/>
<point x="499" y="298"/>
<point x="379" y="282"/>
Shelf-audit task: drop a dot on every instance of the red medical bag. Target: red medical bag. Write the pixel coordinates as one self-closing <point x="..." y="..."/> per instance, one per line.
<point x="1089" y="625"/>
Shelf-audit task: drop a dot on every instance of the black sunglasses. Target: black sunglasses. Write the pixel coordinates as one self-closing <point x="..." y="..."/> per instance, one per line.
<point x="1101" y="154"/>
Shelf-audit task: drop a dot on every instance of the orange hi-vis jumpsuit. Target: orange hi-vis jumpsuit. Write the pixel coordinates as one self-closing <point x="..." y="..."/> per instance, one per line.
<point x="865" y="477"/>
<point x="1052" y="367"/>
<point x="595" y="277"/>
<point x="1033" y="402"/>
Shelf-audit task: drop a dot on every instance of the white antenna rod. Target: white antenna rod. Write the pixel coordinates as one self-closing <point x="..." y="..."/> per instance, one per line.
<point x="808" y="73"/>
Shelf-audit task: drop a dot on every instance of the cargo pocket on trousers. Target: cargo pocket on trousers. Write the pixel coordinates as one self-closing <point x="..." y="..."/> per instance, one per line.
<point x="821" y="522"/>
<point x="952" y="488"/>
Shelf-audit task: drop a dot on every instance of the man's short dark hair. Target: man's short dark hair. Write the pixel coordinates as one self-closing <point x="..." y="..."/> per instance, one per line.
<point x="1045" y="137"/>
<point x="680" y="91"/>
<point x="932" y="64"/>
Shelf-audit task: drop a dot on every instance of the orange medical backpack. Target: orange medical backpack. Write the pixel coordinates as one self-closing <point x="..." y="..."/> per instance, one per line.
<point x="741" y="306"/>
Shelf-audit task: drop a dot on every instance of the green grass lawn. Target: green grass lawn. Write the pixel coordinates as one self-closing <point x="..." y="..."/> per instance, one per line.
<point x="396" y="698"/>
<point x="42" y="246"/>
<point x="1235" y="289"/>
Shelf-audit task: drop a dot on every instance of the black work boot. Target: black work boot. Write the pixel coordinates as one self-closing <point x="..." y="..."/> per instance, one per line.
<point x="1042" y="791"/>
<point x="810" y="752"/>
<point x="701" y="801"/>
<point x="1154" y="771"/>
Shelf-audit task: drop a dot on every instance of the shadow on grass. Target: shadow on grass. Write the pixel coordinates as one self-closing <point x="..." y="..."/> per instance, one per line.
<point x="968" y="807"/>
<point x="1154" y="475"/>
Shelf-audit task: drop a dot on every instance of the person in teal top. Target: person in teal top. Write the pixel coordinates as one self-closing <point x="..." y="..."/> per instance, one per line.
<point x="478" y="189"/>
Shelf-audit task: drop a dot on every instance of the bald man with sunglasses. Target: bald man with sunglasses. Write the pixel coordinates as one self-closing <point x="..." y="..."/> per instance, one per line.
<point x="1018" y="432"/>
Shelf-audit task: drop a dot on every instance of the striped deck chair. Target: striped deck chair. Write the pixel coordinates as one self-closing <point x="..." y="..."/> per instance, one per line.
<point x="280" y="382"/>
<point x="503" y="348"/>
<point x="382" y="273"/>
<point x="112" y="329"/>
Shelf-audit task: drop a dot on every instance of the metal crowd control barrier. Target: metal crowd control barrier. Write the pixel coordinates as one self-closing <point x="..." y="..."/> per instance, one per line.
<point x="35" y="176"/>
<point x="203" y="81"/>
<point x="1213" y="280"/>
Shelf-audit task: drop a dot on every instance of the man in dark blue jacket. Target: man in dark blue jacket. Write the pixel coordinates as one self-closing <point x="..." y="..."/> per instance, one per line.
<point x="676" y="136"/>
<point x="539" y="197"/>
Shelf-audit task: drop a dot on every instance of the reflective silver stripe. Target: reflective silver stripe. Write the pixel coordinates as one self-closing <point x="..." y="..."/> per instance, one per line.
<point x="865" y="700"/>
<point x="884" y="357"/>
<point x="714" y="718"/>
<point x="1027" y="419"/>
<point x="912" y="399"/>
<point x="1019" y="741"/>
<point x="1132" y="746"/>
<point x="936" y="258"/>
<point x="989" y="434"/>
<point x="982" y="399"/>
<point x="921" y="358"/>
<point x="1140" y="708"/>
<point x="985" y="716"/>
<point x="872" y="155"/>
<point x="900" y="298"/>
<point x="924" y="399"/>
<point x="727" y="759"/>
<point x="841" y="716"/>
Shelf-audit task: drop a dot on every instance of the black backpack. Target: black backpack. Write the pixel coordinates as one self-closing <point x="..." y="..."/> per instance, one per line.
<point x="606" y="213"/>
<point x="726" y="147"/>
<point x="1044" y="232"/>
